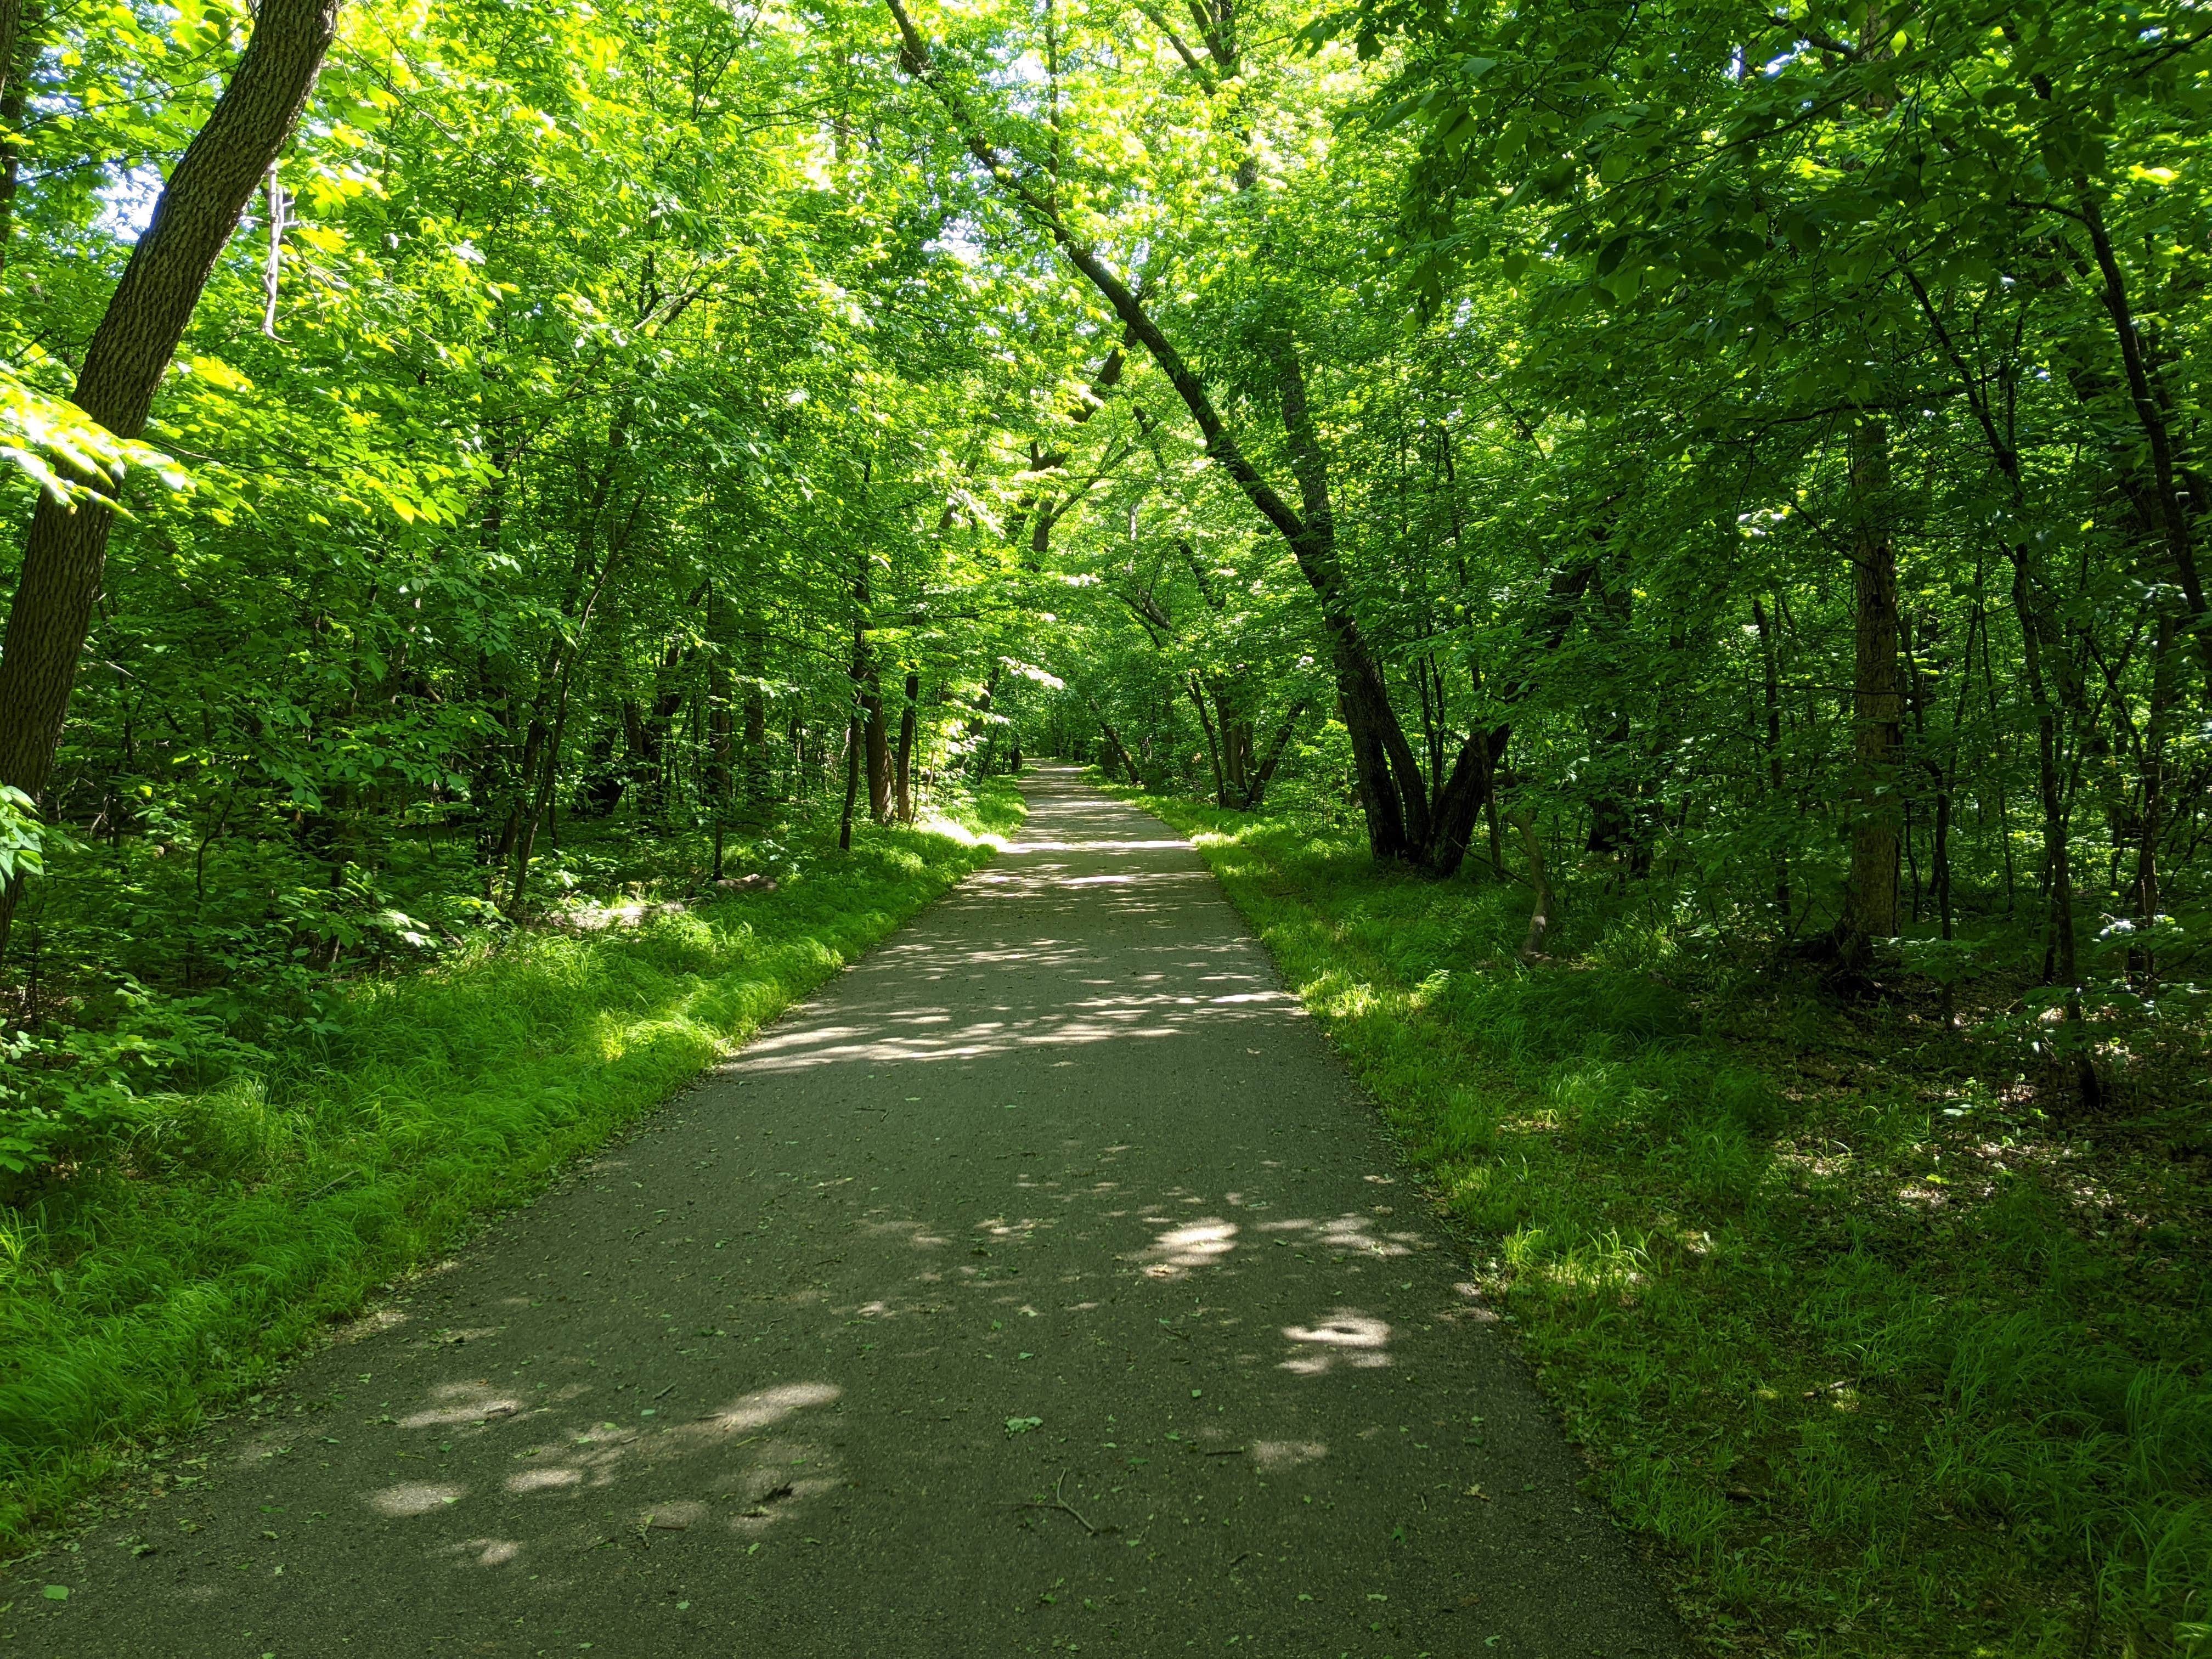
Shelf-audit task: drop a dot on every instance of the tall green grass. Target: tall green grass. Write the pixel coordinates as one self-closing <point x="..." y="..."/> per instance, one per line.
<point x="171" y="1273"/>
<point x="1877" y="1365"/>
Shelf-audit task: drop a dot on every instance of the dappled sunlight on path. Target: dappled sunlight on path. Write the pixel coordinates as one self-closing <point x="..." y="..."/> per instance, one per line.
<point x="1042" y="1285"/>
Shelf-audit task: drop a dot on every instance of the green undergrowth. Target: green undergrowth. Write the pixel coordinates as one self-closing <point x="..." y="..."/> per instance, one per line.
<point x="166" y="1276"/>
<point x="1881" y="1361"/>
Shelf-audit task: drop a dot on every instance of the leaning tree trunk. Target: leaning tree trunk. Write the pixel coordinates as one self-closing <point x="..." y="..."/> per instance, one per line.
<point x="1117" y="754"/>
<point x="193" y="219"/>
<point x="1255" y="785"/>
<point x="1877" y="709"/>
<point x="2175" y="509"/>
<point x="1395" y="799"/>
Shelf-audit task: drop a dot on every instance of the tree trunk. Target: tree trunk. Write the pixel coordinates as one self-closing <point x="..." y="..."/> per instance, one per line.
<point x="193" y="218"/>
<point x="1546" y="913"/>
<point x="1489" y="787"/>
<point x="853" y="741"/>
<point x="11" y="24"/>
<point x="2058" y="917"/>
<point x="1256" y="786"/>
<point x="908" y="720"/>
<point x="19" y="30"/>
<point x="549" y="771"/>
<point x="1390" y="785"/>
<point x="721" y="737"/>
<point x="653" y="755"/>
<point x="1877" y="708"/>
<point x="1939" y="778"/>
<point x="1213" y="745"/>
<point x="755" y="762"/>
<point x="2143" y="961"/>
<point x="861" y="675"/>
<point x="1771" y="669"/>
<point x="1391" y="789"/>
<point x="877" y="732"/>
<point x="2174" y="510"/>
<point x="1117" y="754"/>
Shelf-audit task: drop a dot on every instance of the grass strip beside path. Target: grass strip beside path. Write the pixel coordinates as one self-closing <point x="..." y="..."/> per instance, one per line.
<point x="1879" y="1369"/>
<point x="240" y="1220"/>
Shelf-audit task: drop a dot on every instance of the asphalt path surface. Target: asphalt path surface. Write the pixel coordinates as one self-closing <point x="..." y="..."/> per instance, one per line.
<point x="1042" y="1285"/>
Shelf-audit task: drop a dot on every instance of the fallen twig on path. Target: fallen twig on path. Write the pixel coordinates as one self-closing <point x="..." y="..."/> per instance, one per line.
<point x="1061" y="1502"/>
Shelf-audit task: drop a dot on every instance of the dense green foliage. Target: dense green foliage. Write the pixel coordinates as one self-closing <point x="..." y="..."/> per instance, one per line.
<point x="1735" y="470"/>
<point x="1840" y="1330"/>
<point x="225" y="1224"/>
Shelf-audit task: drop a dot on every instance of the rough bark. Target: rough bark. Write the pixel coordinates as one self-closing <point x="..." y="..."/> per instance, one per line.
<point x="1390" y="777"/>
<point x="11" y="23"/>
<point x="19" y="29"/>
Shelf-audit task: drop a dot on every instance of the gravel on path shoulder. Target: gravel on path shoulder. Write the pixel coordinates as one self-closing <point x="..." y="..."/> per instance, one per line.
<point x="1042" y="1285"/>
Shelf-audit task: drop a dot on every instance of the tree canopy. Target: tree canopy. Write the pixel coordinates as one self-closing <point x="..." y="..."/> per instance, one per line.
<point x="1750" y="459"/>
<point x="1736" y="473"/>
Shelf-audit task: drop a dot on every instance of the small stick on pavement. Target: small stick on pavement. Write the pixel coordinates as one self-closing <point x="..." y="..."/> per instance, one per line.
<point x="1061" y="1502"/>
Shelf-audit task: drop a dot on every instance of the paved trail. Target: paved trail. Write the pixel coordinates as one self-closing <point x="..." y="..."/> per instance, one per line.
<point x="1043" y="1285"/>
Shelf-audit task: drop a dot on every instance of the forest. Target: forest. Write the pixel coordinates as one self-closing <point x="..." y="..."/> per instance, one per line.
<point x="1655" y="546"/>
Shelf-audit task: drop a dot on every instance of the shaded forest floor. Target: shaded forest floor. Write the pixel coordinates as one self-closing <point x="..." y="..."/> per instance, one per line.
<point x="1886" y="1352"/>
<point x="250" y="1188"/>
